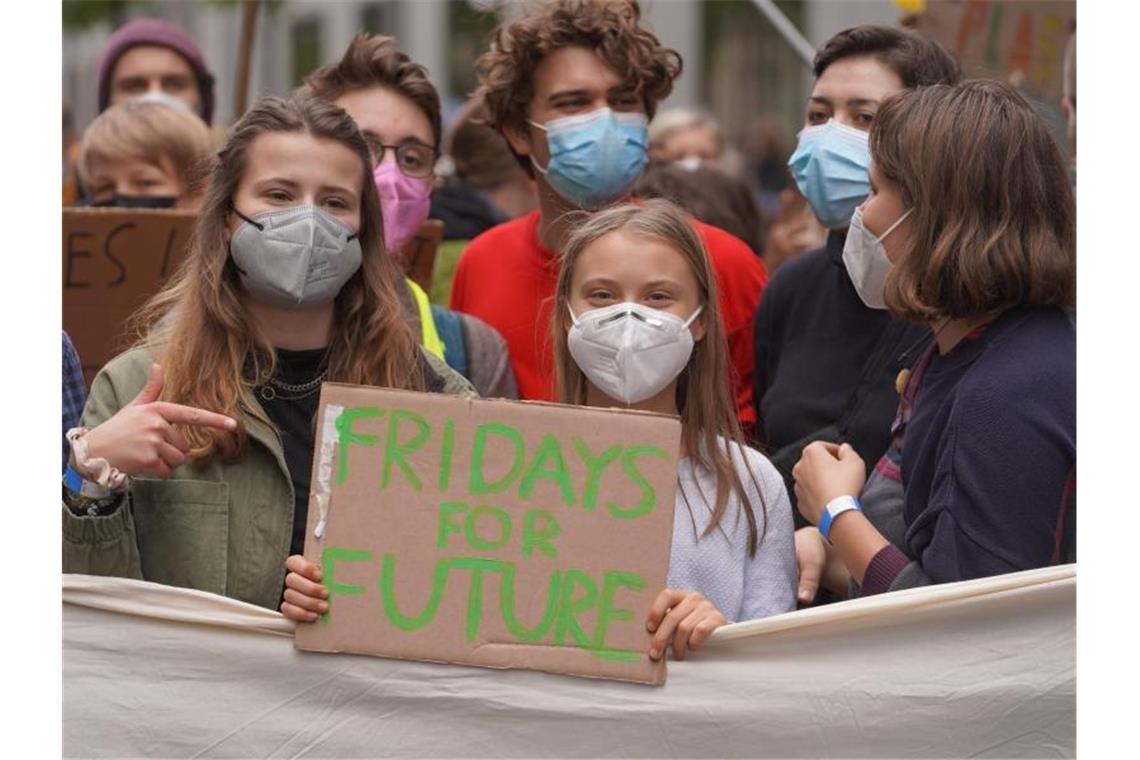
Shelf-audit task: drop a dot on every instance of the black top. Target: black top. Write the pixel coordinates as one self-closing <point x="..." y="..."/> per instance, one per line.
<point x="294" y="415"/>
<point x="465" y="212"/>
<point x="819" y="351"/>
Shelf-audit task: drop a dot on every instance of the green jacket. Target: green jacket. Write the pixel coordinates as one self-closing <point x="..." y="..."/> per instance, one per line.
<point x="213" y="526"/>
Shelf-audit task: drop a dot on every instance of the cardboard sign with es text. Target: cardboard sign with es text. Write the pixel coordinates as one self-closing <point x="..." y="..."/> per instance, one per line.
<point x="114" y="260"/>
<point x="494" y="533"/>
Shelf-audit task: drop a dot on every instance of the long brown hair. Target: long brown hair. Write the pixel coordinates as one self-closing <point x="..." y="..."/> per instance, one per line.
<point x="709" y="427"/>
<point x="994" y="221"/>
<point x="212" y="352"/>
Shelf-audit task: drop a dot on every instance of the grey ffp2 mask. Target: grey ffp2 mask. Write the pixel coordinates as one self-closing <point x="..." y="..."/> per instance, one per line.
<point x="295" y="258"/>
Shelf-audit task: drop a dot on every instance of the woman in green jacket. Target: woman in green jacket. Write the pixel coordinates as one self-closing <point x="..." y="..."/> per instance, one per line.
<point x="192" y="466"/>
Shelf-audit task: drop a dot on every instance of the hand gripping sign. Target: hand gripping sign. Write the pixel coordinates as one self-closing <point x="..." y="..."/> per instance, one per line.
<point x="492" y="533"/>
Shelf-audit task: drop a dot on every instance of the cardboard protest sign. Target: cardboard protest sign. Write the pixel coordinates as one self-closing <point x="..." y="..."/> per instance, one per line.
<point x="418" y="254"/>
<point x="113" y="261"/>
<point x="495" y="533"/>
<point x="1020" y="41"/>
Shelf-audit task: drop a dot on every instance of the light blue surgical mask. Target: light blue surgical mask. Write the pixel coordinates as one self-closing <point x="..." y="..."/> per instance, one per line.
<point x="830" y="165"/>
<point x="596" y="157"/>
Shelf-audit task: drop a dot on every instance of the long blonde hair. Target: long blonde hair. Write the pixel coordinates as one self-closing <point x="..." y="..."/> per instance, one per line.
<point x="213" y="353"/>
<point x="704" y="397"/>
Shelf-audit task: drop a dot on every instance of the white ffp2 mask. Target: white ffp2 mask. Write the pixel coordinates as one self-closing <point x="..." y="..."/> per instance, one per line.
<point x="866" y="261"/>
<point x="629" y="351"/>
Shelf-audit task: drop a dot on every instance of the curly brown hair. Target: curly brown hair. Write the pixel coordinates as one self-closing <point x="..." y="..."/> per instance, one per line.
<point x="610" y="28"/>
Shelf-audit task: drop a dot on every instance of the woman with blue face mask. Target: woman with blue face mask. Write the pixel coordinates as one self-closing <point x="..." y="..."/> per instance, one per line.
<point x="980" y="474"/>
<point x="825" y="358"/>
<point x="192" y="461"/>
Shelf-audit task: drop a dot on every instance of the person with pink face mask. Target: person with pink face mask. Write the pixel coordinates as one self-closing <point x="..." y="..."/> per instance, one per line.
<point x="397" y="110"/>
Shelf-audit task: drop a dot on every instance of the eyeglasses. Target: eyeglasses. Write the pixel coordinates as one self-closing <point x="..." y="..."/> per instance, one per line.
<point x="413" y="159"/>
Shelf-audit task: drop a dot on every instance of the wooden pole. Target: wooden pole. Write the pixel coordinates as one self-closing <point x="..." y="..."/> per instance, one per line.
<point x="245" y="55"/>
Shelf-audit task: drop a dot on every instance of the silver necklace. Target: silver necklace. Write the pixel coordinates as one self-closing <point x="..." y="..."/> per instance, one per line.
<point x="295" y="391"/>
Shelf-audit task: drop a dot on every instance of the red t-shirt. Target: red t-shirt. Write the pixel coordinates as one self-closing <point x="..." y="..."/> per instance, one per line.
<point x="507" y="278"/>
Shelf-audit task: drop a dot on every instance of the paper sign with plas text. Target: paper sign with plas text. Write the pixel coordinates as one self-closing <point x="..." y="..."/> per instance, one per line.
<point x="114" y="260"/>
<point x="488" y="532"/>
<point x="1020" y="41"/>
<point x="418" y="254"/>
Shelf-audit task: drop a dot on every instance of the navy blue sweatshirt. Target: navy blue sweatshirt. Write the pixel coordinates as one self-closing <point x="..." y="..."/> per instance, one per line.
<point x="989" y="454"/>
<point x="819" y="350"/>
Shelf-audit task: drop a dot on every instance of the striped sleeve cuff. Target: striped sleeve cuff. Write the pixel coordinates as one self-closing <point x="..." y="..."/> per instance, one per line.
<point x="884" y="567"/>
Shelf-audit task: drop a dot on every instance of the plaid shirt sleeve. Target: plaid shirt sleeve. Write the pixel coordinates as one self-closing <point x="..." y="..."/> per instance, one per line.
<point x="74" y="392"/>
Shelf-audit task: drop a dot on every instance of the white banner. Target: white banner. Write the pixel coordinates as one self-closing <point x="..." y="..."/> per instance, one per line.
<point x="983" y="668"/>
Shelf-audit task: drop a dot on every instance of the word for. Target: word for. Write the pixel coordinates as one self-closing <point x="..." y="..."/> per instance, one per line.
<point x="539" y="528"/>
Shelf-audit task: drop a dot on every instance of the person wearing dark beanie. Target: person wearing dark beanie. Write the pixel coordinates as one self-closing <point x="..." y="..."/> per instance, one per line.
<point x="148" y="55"/>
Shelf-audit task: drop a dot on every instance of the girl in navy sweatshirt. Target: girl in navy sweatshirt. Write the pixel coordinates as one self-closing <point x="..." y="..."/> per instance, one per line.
<point x="970" y="229"/>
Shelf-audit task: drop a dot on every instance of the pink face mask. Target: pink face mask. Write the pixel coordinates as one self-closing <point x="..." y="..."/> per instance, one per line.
<point x="404" y="204"/>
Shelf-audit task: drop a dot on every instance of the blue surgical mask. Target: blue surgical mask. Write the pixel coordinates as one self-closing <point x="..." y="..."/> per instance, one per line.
<point x="830" y="165"/>
<point x="596" y="157"/>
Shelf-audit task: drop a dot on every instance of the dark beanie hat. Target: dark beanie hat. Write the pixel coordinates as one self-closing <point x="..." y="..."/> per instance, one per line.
<point x="153" y="31"/>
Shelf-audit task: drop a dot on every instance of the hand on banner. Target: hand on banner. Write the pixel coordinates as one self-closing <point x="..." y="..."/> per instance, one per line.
<point x="818" y="565"/>
<point x="141" y="438"/>
<point x="305" y="597"/>
<point x="825" y="471"/>
<point x="811" y="559"/>
<point x="684" y="617"/>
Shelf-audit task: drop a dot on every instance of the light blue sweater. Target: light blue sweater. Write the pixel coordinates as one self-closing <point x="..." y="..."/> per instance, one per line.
<point x="718" y="565"/>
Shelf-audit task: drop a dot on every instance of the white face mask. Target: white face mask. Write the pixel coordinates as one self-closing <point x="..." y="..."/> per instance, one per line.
<point x="866" y="261"/>
<point x="689" y="163"/>
<point x="629" y="351"/>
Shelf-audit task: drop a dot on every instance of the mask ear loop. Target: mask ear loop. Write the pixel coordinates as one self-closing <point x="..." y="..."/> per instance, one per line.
<point x="229" y="250"/>
<point x="534" y="163"/>
<point x="693" y="318"/>
<point x="260" y="227"/>
<point x="573" y="319"/>
<point x="892" y="228"/>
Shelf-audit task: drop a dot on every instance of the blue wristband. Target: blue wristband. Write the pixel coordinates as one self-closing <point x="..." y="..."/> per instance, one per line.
<point x="80" y="486"/>
<point x="834" y="509"/>
<point x="73" y="480"/>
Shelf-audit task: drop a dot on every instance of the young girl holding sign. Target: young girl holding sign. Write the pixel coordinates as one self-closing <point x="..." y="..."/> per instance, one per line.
<point x="640" y="329"/>
<point x="637" y="326"/>
<point x="285" y="286"/>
